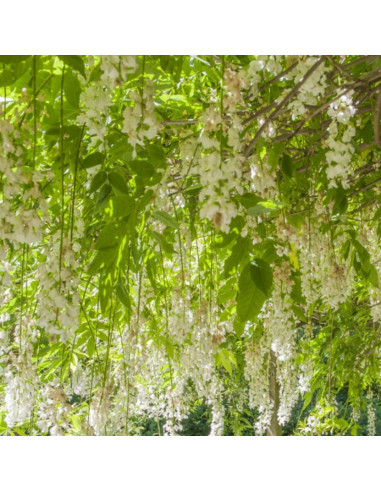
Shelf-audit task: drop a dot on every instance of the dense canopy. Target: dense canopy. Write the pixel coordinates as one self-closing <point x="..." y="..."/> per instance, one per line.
<point x="190" y="231"/>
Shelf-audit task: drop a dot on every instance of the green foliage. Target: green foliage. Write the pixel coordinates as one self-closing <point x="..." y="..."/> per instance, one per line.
<point x="171" y="223"/>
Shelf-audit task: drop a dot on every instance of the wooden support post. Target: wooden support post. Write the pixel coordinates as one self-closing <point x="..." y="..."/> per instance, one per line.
<point x="275" y="429"/>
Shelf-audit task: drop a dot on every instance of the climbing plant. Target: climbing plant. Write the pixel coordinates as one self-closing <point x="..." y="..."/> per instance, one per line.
<point x="197" y="231"/>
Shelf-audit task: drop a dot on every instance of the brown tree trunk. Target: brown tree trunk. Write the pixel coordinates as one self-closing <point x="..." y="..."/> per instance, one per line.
<point x="275" y="429"/>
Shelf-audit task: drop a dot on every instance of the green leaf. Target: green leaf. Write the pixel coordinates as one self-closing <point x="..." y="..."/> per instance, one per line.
<point x="102" y="335"/>
<point x="226" y="359"/>
<point x="170" y="348"/>
<point x="307" y="400"/>
<point x="226" y="296"/>
<point x="250" y="298"/>
<point x="143" y="168"/>
<point x="104" y="192"/>
<point x="96" y="73"/>
<point x="265" y="208"/>
<point x="249" y="200"/>
<point x="164" y="62"/>
<point x="296" y="293"/>
<point x="227" y="365"/>
<point x="145" y="200"/>
<point x="75" y="62"/>
<point x="9" y="59"/>
<point x="354" y="430"/>
<point x="275" y="152"/>
<point x="262" y="275"/>
<point x="98" y="181"/>
<point x="52" y="367"/>
<point x="91" y="347"/>
<point x="92" y="160"/>
<point x="194" y="190"/>
<point x="157" y="156"/>
<point x="121" y="206"/>
<point x="72" y="89"/>
<point x="377" y="215"/>
<point x="341" y="202"/>
<point x="104" y="258"/>
<point x="239" y="254"/>
<point x="178" y="69"/>
<point x="287" y="166"/>
<point x="270" y="254"/>
<point x="105" y="290"/>
<point x="373" y="276"/>
<point x="6" y="78"/>
<point x="118" y="182"/>
<point x="111" y="234"/>
<point x="239" y="326"/>
<point x="363" y="253"/>
<point x="123" y="295"/>
<point x="166" y="219"/>
<point x="345" y="249"/>
<point x="151" y="272"/>
<point x="299" y="313"/>
<point x="165" y="246"/>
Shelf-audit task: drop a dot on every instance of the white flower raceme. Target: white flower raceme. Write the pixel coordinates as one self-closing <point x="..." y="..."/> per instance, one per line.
<point x="59" y="301"/>
<point x="280" y="318"/>
<point x="322" y="276"/>
<point x="339" y="157"/>
<point x="97" y="102"/>
<point x="20" y="397"/>
<point x="314" y="87"/>
<point x="263" y="179"/>
<point x="139" y="120"/>
<point x="53" y="410"/>
<point x="99" y="410"/>
<point x="256" y="375"/>
<point x="216" y="176"/>
<point x="371" y="417"/>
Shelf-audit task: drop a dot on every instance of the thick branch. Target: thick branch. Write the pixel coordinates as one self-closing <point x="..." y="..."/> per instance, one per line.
<point x="377" y="114"/>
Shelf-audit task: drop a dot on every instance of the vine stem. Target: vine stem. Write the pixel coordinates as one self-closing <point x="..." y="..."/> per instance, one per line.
<point x="330" y="361"/>
<point x="75" y="336"/>
<point x="93" y="368"/>
<point x="75" y="183"/>
<point x="22" y="294"/>
<point x="62" y="205"/>
<point x="142" y="87"/>
<point x="222" y="106"/>
<point x="126" y="380"/>
<point x="37" y="93"/>
<point x="34" y="109"/>
<point x="5" y="97"/>
<point x="180" y="244"/>
<point x="62" y="172"/>
<point x="109" y="339"/>
<point x="129" y="325"/>
<point x="166" y="331"/>
<point x="200" y="284"/>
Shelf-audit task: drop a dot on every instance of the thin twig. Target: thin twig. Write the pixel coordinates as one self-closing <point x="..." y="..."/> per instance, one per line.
<point x="364" y="188"/>
<point x="282" y="104"/>
<point x="370" y="351"/>
<point x="179" y="122"/>
<point x="341" y="69"/>
<point x="279" y="76"/>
